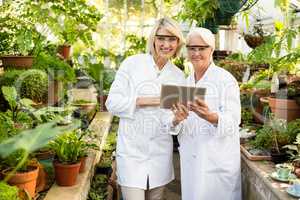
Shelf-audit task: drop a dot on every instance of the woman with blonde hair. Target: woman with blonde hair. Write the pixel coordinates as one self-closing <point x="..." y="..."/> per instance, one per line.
<point x="144" y="145"/>
<point x="209" y="141"/>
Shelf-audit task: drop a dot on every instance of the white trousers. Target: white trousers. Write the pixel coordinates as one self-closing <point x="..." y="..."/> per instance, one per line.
<point x="130" y="193"/>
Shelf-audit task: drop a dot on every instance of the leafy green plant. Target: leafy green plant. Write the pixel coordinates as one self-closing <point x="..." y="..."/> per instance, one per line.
<point x="276" y="134"/>
<point x="67" y="147"/>
<point x="69" y="20"/>
<point x="108" y="78"/>
<point x="111" y="142"/>
<point x="9" y="77"/>
<point x="294" y="149"/>
<point x="98" y="190"/>
<point x="247" y="117"/>
<point x="15" y="104"/>
<point x="33" y="84"/>
<point x="199" y="11"/>
<point x="7" y="128"/>
<point x="56" y="68"/>
<point x="30" y="140"/>
<point x="8" y="192"/>
<point x="19" y="31"/>
<point x="14" y="158"/>
<point x="135" y="45"/>
<point x="103" y="77"/>
<point x="87" y="142"/>
<point x="49" y="113"/>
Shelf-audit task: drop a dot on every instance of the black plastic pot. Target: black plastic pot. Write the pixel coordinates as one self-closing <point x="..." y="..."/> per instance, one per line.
<point x="104" y="170"/>
<point x="280" y="157"/>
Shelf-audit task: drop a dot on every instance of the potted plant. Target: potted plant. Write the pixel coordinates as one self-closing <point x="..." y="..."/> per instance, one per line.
<point x="27" y="173"/>
<point x="199" y="11"/>
<point x="256" y="37"/>
<point x="67" y="149"/>
<point x="22" y="40"/>
<point x="60" y="74"/>
<point x="274" y="135"/>
<point x="70" y="28"/>
<point x="285" y="103"/>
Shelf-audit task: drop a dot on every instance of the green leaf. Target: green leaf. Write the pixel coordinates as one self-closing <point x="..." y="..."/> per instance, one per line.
<point x="10" y="95"/>
<point x="291" y="147"/>
<point x="26" y="102"/>
<point x="31" y="140"/>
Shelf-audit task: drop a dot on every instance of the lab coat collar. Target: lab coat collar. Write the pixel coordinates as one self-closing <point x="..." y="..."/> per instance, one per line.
<point x="167" y="65"/>
<point x="205" y="75"/>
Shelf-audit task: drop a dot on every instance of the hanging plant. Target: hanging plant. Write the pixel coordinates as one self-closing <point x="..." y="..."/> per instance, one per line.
<point x="199" y="10"/>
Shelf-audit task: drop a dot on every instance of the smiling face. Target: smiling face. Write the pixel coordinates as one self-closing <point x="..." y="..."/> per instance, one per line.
<point x="199" y="52"/>
<point x="165" y="43"/>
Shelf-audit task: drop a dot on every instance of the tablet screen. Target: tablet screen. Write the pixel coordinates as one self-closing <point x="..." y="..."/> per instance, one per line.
<point x="171" y="94"/>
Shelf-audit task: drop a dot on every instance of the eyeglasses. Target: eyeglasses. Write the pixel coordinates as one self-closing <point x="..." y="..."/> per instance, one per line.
<point x="166" y="38"/>
<point x="195" y="48"/>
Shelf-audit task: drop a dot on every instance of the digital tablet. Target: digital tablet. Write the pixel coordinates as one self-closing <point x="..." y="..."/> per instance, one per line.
<point x="172" y="94"/>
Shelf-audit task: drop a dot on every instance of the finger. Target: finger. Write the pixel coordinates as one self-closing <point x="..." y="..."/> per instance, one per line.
<point x="184" y="108"/>
<point x="179" y="107"/>
<point x="174" y="109"/>
<point x="200" y="102"/>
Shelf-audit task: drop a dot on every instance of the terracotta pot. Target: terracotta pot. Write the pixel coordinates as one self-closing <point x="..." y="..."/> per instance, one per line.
<point x="66" y="175"/>
<point x="25" y="180"/>
<point x="82" y="164"/>
<point x="101" y="100"/>
<point x="286" y="109"/>
<point x="18" y="62"/>
<point x="41" y="184"/>
<point x="64" y="51"/>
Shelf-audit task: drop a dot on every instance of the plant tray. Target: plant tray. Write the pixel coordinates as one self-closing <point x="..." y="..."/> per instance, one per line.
<point x="252" y="157"/>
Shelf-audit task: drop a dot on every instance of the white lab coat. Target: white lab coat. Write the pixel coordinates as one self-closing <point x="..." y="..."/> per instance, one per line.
<point x="144" y="145"/>
<point x="210" y="154"/>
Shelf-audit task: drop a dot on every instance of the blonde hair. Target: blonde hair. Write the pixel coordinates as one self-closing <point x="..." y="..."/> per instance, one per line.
<point x="171" y="26"/>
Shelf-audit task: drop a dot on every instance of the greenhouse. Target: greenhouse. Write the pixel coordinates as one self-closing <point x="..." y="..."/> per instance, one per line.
<point x="149" y="99"/>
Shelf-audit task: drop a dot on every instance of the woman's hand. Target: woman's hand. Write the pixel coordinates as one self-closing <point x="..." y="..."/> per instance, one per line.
<point x="201" y="109"/>
<point x="181" y="113"/>
<point x="148" y="101"/>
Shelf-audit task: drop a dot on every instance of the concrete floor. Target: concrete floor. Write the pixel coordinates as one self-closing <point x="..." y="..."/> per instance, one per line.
<point x="173" y="191"/>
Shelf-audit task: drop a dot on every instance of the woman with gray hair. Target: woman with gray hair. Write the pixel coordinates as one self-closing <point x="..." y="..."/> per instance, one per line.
<point x="144" y="145"/>
<point x="209" y="141"/>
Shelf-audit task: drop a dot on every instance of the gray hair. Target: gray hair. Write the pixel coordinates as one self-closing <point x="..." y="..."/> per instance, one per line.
<point x="207" y="36"/>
